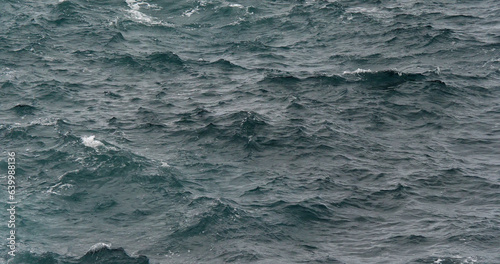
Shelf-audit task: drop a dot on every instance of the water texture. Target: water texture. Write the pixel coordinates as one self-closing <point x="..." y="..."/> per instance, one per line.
<point x="250" y="131"/>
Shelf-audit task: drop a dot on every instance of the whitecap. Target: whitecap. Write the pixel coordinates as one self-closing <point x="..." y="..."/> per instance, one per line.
<point x="190" y="12"/>
<point x="43" y="122"/>
<point x="236" y="5"/>
<point x="91" y="142"/>
<point x="138" y="16"/>
<point x="99" y="246"/>
<point x="358" y="71"/>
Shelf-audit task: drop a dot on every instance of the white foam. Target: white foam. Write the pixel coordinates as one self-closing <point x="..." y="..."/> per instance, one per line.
<point x="43" y="122"/>
<point x="358" y="71"/>
<point x="190" y="12"/>
<point x="467" y="260"/>
<point x="60" y="187"/>
<point x="91" y="142"/>
<point x="203" y="3"/>
<point x="51" y="189"/>
<point x="236" y="5"/>
<point x="99" y="246"/>
<point x="63" y="175"/>
<point x="471" y="260"/>
<point x="164" y="164"/>
<point x="7" y="72"/>
<point x="138" y="16"/>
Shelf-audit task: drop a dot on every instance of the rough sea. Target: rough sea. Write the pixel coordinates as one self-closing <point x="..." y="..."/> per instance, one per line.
<point x="244" y="131"/>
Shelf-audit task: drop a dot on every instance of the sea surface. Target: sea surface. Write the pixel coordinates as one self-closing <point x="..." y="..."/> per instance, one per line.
<point x="244" y="131"/>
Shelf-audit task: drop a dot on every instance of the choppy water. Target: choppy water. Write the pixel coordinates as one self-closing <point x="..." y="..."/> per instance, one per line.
<point x="252" y="131"/>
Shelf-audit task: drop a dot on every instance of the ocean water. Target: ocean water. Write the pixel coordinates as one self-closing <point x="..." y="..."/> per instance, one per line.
<point x="243" y="131"/>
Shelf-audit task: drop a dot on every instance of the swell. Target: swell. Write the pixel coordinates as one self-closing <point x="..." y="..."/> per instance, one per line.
<point x="98" y="255"/>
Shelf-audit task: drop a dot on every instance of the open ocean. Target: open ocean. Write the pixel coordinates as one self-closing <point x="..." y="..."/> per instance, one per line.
<point x="245" y="131"/>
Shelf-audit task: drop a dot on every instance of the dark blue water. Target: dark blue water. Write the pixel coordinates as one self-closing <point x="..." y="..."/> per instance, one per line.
<point x="251" y="131"/>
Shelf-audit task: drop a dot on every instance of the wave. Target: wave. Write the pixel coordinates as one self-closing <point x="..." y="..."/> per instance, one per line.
<point x="305" y="213"/>
<point x="24" y="109"/>
<point x="383" y="78"/>
<point x="164" y="58"/>
<point x="242" y="128"/>
<point x="67" y="13"/>
<point x="227" y="65"/>
<point x="212" y="226"/>
<point x="149" y="62"/>
<point x="385" y="200"/>
<point x="99" y="254"/>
